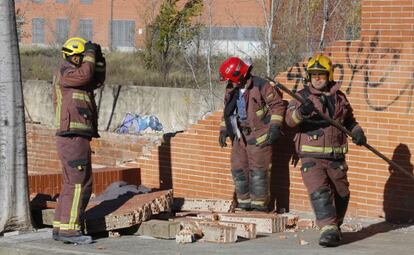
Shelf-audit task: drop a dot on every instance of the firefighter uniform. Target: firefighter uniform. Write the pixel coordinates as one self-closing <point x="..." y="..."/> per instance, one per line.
<point x="322" y="150"/>
<point x="261" y="110"/>
<point x="76" y="122"/>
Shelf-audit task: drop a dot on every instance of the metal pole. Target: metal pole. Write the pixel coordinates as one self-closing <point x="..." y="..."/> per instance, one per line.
<point x="343" y="129"/>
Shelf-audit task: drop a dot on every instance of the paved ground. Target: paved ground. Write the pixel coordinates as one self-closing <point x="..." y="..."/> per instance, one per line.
<point x="375" y="238"/>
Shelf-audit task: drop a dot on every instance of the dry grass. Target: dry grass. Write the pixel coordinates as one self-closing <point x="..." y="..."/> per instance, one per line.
<point x="125" y="68"/>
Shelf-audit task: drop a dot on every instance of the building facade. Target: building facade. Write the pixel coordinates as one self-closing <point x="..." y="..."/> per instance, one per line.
<point x="232" y="26"/>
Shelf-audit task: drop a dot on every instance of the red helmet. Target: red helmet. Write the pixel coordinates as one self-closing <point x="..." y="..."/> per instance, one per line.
<point x="233" y="69"/>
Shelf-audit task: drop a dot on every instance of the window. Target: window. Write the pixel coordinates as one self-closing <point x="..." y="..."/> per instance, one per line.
<point x="62" y="30"/>
<point x="233" y="33"/>
<point x="85" y="29"/>
<point x="37" y="1"/>
<point x="62" y="1"/>
<point x="123" y="33"/>
<point x="85" y="1"/>
<point x="38" y="30"/>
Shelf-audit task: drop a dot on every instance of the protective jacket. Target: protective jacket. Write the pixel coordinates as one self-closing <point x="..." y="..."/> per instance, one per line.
<point x="316" y="137"/>
<point x="264" y="107"/>
<point x="75" y="107"/>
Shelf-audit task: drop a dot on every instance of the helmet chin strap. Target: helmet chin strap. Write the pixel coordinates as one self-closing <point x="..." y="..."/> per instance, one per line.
<point x="70" y="59"/>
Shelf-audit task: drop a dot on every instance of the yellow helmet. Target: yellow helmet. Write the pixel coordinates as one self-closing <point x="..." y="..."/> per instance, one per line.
<point x="318" y="64"/>
<point x="73" y="46"/>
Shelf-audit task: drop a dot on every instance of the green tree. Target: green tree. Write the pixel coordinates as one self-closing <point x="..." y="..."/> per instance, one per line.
<point x="172" y="30"/>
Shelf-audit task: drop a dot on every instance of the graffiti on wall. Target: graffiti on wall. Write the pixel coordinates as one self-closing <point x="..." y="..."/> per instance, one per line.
<point x="365" y="60"/>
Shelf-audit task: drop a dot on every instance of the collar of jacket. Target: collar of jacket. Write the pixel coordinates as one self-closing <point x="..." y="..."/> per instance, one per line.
<point x="333" y="88"/>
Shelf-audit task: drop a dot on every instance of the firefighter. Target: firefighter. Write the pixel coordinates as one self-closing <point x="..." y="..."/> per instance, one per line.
<point x="322" y="147"/>
<point x="253" y="116"/>
<point x="82" y="71"/>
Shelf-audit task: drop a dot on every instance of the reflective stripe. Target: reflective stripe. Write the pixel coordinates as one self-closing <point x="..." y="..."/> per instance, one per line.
<point x="261" y="139"/>
<point x="259" y="113"/>
<point x="325" y="150"/>
<point x="295" y="117"/>
<point x="81" y="96"/>
<point x="269" y="96"/>
<point x="58" y="102"/>
<point x="89" y="59"/>
<point x="70" y="226"/>
<point x="56" y="224"/>
<point x="277" y="117"/>
<point x="78" y="125"/>
<point x="75" y="205"/>
<point x="255" y="202"/>
<point x="243" y="200"/>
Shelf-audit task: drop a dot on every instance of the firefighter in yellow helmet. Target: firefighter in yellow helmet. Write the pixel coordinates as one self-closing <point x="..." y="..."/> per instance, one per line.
<point x="82" y="71"/>
<point x="322" y="147"/>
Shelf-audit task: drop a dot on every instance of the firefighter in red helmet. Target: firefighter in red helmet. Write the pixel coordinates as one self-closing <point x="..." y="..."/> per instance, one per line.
<point x="252" y="118"/>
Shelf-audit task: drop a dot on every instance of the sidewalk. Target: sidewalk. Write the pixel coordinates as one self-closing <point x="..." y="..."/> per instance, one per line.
<point x="376" y="237"/>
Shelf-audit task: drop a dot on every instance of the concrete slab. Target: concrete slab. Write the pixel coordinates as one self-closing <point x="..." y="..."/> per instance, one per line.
<point x="126" y="211"/>
<point x="203" y="205"/>
<point x="159" y="229"/>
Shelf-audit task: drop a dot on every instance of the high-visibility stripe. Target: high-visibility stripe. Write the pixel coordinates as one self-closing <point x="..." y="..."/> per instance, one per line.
<point x="259" y="113"/>
<point x="89" y="59"/>
<point x="75" y="205"/>
<point x="295" y="117"/>
<point x="269" y="96"/>
<point x="261" y="139"/>
<point x="81" y="96"/>
<point x="325" y="150"/>
<point x="78" y="125"/>
<point x="70" y="226"/>
<point x="56" y="224"/>
<point x="58" y="102"/>
<point x="255" y="202"/>
<point x="277" y="117"/>
<point x="239" y="200"/>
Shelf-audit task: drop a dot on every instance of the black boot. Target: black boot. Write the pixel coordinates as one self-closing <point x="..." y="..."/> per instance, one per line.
<point x="241" y="185"/>
<point x="55" y="234"/>
<point x="244" y="206"/>
<point x="259" y="208"/>
<point x="77" y="238"/>
<point x="330" y="236"/>
<point x="259" y="190"/>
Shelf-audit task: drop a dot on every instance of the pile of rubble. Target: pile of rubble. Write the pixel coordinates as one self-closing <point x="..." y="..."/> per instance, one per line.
<point x="159" y="215"/>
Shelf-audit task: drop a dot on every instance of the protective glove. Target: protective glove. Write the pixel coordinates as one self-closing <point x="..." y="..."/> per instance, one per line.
<point x="272" y="135"/>
<point x="222" y="138"/>
<point x="358" y="137"/>
<point x="306" y="108"/>
<point x="98" y="52"/>
<point x="89" y="46"/>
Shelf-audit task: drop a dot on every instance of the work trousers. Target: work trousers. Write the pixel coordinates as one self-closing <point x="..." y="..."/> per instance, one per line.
<point x="250" y="166"/>
<point x="328" y="188"/>
<point x="75" y="156"/>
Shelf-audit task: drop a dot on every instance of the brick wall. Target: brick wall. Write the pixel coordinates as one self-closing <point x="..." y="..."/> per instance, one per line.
<point x="377" y="74"/>
<point x="110" y="150"/>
